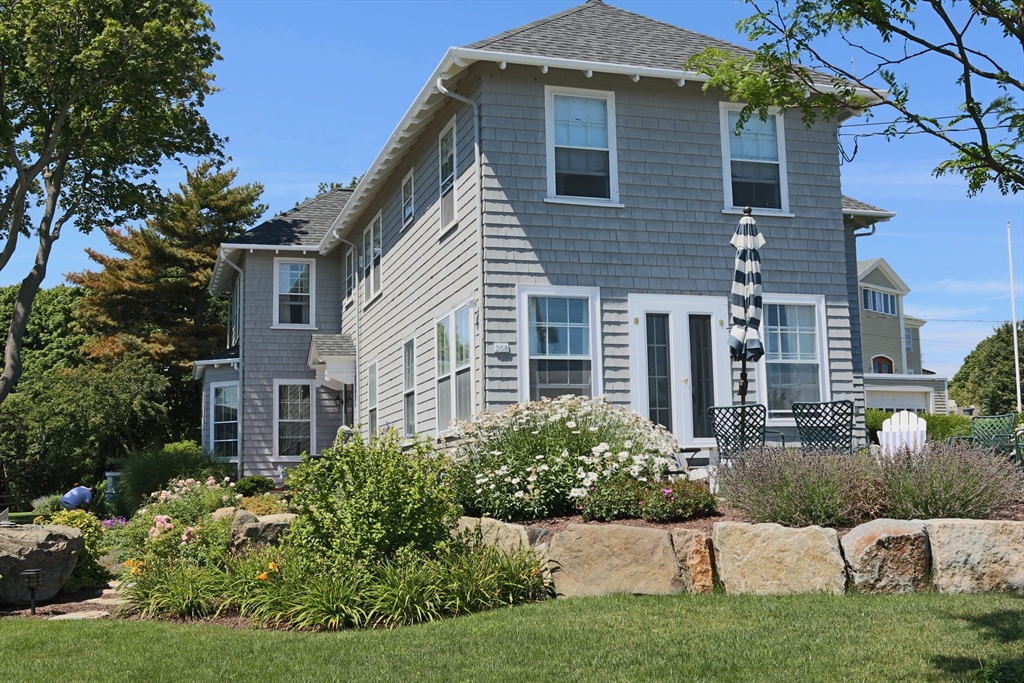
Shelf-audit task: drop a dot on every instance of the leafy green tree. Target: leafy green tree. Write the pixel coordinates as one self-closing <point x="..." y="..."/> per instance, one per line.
<point x="795" y="67"/>
<point x="53" y="338"/>
<point x="96" y="95"/>
<point x="986" y="379"/>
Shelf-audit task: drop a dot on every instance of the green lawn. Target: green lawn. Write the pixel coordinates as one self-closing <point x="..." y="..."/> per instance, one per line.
<point x="680" y="638"/>
<point x="21" y="517"/>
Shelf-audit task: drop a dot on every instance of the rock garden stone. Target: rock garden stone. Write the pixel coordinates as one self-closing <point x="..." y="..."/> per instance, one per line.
<point x="693" y="552"/>
<point x="769" y="559"/>
<point x="221" y="513"/>
<point x="243" y="518"/>
<point x="606" y="559"/>
<point x="503" y="534"/>
<point x="54" y="549"/>
<point x="976" y="556"/>
<point x="90" y="614"/>
<point x="267" y="530"/>
<point x="888" y="556"/>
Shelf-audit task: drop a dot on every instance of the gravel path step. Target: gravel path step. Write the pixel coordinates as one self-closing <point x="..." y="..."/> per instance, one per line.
<point x="94" y="614"/>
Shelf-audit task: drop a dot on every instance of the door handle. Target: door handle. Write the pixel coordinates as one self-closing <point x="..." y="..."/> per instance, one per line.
<point x="686" y="380"/>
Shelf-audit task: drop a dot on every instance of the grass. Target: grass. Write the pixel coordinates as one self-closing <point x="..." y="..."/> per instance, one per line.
<point x="21" y="517"/>
<point x="926" y="637"/>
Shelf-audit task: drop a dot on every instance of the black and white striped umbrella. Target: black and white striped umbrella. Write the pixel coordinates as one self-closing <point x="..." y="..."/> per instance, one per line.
<point x="745" y="302"/>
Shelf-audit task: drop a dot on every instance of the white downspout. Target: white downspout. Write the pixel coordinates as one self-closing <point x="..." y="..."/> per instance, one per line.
<point x="480" y="232"/>
<point x="241" y="328"/>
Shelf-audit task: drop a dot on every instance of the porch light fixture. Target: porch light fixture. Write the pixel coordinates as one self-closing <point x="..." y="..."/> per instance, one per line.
<point x="33" y="578"/>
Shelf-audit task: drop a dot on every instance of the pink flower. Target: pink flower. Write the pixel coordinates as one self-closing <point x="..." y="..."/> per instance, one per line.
<point x="224" y="498"/>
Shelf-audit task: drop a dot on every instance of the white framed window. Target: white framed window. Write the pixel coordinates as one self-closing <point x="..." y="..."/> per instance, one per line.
<point x="224" y="419"/>
<point x="409" y="387"/>
<point x="879" y="302"/>
<point x="559" y="341"/>
<point x="582" y="161"/>
<point x="294" y="418"/>
<point x="754" y="161"/>
<point x="795" y="364"/>
<point x="351" y="272"/>
<point x="371" y="399"/>
<point x="295" y="288"/>
<point x="371" y="258"/>
<point x="908" y="339"/>
<point x="447" y="159"/>
<point x="454" y="367"/>
<point x="408" y="199"/>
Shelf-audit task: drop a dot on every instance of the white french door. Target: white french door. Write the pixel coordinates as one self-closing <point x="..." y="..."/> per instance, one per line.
<point x="679" y="362"/>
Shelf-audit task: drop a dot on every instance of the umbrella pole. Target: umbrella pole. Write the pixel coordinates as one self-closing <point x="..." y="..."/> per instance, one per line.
<point x="743" y="403"/>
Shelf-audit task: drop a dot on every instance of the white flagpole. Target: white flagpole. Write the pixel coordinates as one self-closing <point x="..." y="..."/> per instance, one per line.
<point x="1013" y="313"/>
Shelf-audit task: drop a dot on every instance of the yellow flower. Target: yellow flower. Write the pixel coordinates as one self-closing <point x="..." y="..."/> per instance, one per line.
<point x="130" y="563"/>
<point x="273" y="567"/>
<point x="137" y="569"/>
<point x="263" y="577"/>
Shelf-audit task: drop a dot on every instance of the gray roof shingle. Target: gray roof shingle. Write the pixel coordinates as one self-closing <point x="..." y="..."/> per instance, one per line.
<point x="303" y="226"/>
<point x="851" y="205"/>
<point x="226" y="354"/>
<point x="333" y="344"/>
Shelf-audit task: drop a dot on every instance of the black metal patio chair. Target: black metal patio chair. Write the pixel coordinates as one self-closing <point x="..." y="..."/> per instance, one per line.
<point x="740" y="428"/>
<point x="825" y="426"/>
<point x="995" y="432"/>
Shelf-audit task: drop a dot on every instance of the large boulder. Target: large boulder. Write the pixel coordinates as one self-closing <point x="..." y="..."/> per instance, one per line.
<point x="693" y="552"/>
<point x="769" y="559"/>
<point x="54" y="549"/>
<point x="888" y="556"/>
<point x="268" y="530"/>
<point x="221" y="513"/>
<point x="976" y="556"/>
<point x="503" y="534"/>
<point x="600" y="560"/>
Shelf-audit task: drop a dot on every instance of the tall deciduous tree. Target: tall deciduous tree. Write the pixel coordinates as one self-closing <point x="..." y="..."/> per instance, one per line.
<point x="95" y="95"/>
<point x="53" y="338"/>
<point x="154" y="301"/>
<point x="986" y="379"/>
<point x="795" y="66"/>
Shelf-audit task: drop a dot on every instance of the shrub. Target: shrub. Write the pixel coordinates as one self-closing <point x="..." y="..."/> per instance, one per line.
<point x="949" y="480"/>
<point x="797" y="488"/>
<point x="148" y="471"/>
<point x="254" y="486"/>
<point x="180" y="589"/>
<point x="940" y="427"/>
<point x="263" y="505"/>
<point x="44" y="506"/>
<point x="676" y="501"/>
<point x="366" y="501"/>
<point x="612" y="499"/>
<point x="88" y="571"/>
<point x="534" y="460"/>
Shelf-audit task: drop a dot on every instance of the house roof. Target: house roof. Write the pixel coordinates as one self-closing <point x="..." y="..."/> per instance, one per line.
<point x="864" y="268"/>
<point x="855" y="207"/>
<point x="305" y="225"/>
<point x="220" y="358"/>
<point x="332" y="345"/>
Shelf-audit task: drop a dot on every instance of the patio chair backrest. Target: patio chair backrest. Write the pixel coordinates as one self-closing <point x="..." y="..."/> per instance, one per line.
<point x="738" y="427"/>
<point x="825" y="426"/>
<point x="904" y="430"/>
<point x="992" y="430"/>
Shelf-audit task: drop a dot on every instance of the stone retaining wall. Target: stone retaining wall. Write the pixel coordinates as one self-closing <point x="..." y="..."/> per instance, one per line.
<point x="882" y="556"/>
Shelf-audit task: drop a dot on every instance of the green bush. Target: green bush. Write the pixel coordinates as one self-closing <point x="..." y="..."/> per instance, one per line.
<point x="267" y="504"/>
<point x="940" y="427"/>
<point x="612" y="499"/>
<point x="179" y="589"/>
<point x="44" y="506"/>
<point x="148" y="471"/>
<point x="366" y="501"/>
<point x="676" y="501"/>
<point x="254" y="486"/>
<point x="537" y="460"/>
<point x="88" y="571"/>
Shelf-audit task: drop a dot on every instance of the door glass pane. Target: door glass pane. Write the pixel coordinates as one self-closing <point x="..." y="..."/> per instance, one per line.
<point x="702" y="384"/>
<point x="659" y="399"/>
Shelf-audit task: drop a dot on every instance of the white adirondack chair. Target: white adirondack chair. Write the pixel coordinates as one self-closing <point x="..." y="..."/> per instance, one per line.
<point x="903" y="430"/>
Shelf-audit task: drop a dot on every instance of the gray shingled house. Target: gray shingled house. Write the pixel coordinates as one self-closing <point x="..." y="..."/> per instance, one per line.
<point x="552" y="215"/>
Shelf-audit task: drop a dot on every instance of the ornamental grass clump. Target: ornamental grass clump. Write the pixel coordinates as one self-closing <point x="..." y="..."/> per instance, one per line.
<point x="540" y="459"/>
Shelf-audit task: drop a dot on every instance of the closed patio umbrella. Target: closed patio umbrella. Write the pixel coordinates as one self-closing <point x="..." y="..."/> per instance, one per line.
<point x="745" y="302"/>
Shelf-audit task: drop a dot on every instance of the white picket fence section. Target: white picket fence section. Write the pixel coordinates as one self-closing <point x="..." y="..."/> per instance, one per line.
<point x="903" y="430"/>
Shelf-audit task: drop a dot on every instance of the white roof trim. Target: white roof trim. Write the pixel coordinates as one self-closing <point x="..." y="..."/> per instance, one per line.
<point x="880" y="215"/>
<point x="890" y="274"/>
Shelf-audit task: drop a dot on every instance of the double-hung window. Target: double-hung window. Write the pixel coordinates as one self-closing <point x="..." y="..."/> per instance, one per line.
<point x="224" y="419"/>
<point x="447" y="173"/>
<point x="408" y="199"/>
<point x="371" y="258"/>
<point x="755" y="161"/>
<point x="793" y="356"/>
<point x="293" y="418"/>
<point x="908" y="340"/>
<point x="350" y="272"/>
<point x="454" y="368"/>
<point x="295" y="285"/>
<point x="559" y="331"/>
<point x="371" y="400"/>
<point x="409" y="387"/>
<point x="581" y="155"/>
<point x="879" y="302"/>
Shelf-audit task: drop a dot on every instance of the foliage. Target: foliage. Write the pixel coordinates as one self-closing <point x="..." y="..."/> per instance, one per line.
<point x="793" y="66"/>
<point x="535" y="460"/>
<point x="367" y="501"/>
<point x="88" y="571"/>
<point x="44" y="506"/>
<point x="179" y="589"/>
<point x="676" y="501"/>
<point x="616" y="498"/>
<point x="97" y="95"/>
<point x="148" y="470"/>
<point x="267" y="504"/>
<point x="52" y="337"/>
<point x="986" y="378"/>
<point x="940" y="427"/>
<point x="254" y="486"/>
<point x="950" y="480"/>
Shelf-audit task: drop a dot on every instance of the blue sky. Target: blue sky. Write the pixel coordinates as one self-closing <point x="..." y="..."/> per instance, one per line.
<point x="311" y="91"/>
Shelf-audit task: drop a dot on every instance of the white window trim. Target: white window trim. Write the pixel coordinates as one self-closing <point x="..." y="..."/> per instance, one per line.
<point x="351" y="256"/>
<point x="882" y="355"/>
<point x="523" y="293"/>
<point x="212" y="412"/>
<point x="312" y="417"/>
<point x="415" y="392"/>
<point x="277" y="324"/>
<point x="369" y="255"/>
<point x="410" y="177"/>
<point x="373" y="400"/>
<point x="780" y="134"/>
<point x="455" y="177"/>
<point x="453" y="369"/>
<point x="613" y="155"/>
<point x="824" y="372"/>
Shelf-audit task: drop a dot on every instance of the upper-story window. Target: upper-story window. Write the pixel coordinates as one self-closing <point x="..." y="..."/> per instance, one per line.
<point x="447" y="171"/>
<point x="350" y="272"/>
<point x="371" y="258"/>
<point x="408" y="199"/>
<point x="908" y="339"/>
<point x="755" y="161"/>
<point x="581" y="155"/>
<point x="881" y="365"/>
<point x="295" y="285"/>
<point x="880" y="302"/>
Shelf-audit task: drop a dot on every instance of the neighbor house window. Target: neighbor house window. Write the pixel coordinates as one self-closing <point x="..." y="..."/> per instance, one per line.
<point x="560" y="340"/>
<point x="408" y="199"/>
<point x="881" y="365"/>
<point x="581" y="155"/>
<point x="792" y="357"/>
<point x="446" y="160"/>
<point x="350" y="272"/>
<point x="371" y="258"/>
<point x="880" y="302"/>
<point x="454" y="368"/>
<point x="293" y="418"/>
<point x="755" y="164"/>
<point x="224" y="419"/>
<point x="908" y="340"/>
<point x="294" y="283"/>
<point x="371" y="401"/>
<point x="409" y="387"/>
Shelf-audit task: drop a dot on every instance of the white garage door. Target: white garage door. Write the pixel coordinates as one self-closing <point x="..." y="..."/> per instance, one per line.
<point x="898" y="400"/>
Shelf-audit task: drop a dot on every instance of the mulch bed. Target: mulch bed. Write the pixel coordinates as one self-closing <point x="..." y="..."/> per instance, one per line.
<point x="62" y="603"/>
